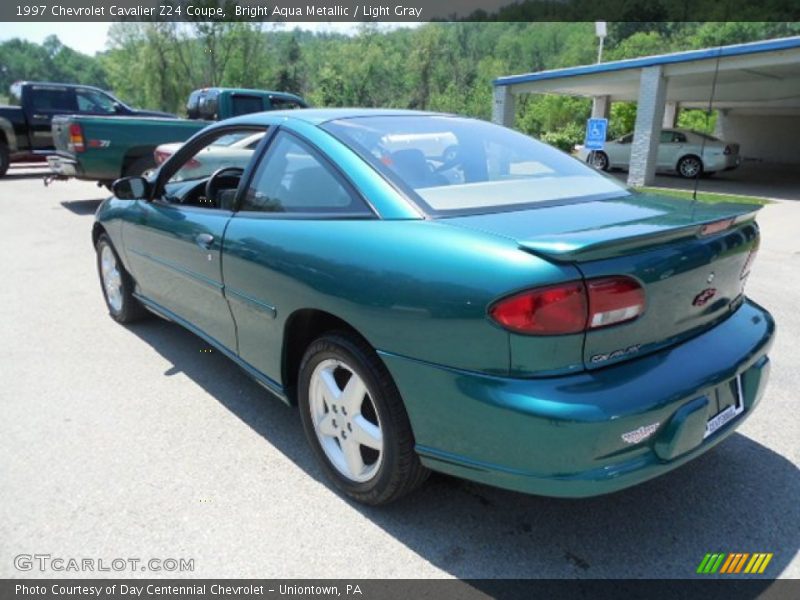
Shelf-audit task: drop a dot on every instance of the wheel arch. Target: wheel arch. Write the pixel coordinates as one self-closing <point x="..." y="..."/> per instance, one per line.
<point x="134" y="154"/>
<point x="97" y="231"/>
<point x="302" y="327"/>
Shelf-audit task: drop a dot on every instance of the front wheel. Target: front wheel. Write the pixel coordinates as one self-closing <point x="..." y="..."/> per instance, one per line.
<point x="690" y="167"/>
<point x="117" y="284"/>
<point x="355" y="421"/>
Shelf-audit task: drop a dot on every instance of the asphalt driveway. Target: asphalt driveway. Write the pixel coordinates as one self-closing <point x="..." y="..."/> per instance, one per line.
<point x="134" y="442"/>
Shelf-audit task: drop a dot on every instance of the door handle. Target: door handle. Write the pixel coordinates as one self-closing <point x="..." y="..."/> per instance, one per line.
<point x="47" y="117"/>
<point x="204" y="240"/>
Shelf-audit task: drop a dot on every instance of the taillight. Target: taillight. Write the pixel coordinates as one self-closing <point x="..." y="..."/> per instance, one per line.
<point x="571" y="307"/>
<point x="76" y="138"/>
<point x="551" y="310"/>
<point x="161" y="155"/>
<point x="614" y="300"/>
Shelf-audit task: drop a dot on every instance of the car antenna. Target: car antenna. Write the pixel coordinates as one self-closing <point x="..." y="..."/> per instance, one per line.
<point x="708" y="116"/>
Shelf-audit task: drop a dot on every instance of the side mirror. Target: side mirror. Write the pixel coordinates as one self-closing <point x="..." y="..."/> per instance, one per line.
<point x="131" y="188"/>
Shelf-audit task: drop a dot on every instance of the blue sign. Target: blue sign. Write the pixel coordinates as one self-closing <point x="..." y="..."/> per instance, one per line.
<point x="595" y="134"/>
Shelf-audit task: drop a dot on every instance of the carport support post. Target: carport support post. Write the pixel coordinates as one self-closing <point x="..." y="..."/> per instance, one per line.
<point x="601" y="107"/>
<point x="649" y="116"/>
<point x="670" y="115"/>
<point x="503" y="110"/>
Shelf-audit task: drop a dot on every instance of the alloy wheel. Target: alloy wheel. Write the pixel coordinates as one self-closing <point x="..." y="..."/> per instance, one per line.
<point x="345" y="420"/>
<point x="112" y="278"/>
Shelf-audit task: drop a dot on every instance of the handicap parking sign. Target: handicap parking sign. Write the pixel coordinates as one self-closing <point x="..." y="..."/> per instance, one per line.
<point x="595" y="134"/>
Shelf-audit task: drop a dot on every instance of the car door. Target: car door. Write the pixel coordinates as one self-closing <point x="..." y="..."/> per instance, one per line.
<point x="174" y="245"/>
<point x="619" y="151"/>
<point x="295" y="201"/>
<point x="669" y="149"/>
<point x="46" y="101"/>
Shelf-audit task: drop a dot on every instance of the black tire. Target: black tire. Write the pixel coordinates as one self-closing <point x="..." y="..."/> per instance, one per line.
<point x="400" y="470"/>
<point x="5" y="159"/>
<point x="140" y="165"/>
<point x="598" y="159"/>
<point x="130" y="309"/>
<point x="690" y="166"/>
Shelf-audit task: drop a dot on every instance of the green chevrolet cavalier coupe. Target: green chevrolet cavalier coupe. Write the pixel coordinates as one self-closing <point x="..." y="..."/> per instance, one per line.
<point x="440" y="293"/>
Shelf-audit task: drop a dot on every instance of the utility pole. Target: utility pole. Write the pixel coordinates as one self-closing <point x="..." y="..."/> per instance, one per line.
<point x="600" y="31"/>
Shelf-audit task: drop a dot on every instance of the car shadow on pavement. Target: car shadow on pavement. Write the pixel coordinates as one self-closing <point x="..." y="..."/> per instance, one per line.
<point x="82" y="207"/>
<point x="739" y="497"/>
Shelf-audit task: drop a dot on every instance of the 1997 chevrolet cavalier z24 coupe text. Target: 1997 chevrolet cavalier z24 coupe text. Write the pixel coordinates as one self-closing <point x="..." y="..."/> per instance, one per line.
<point x="442" y="293"/>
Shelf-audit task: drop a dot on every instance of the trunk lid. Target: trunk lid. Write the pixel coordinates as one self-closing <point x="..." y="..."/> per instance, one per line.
<point x="693" y="277"/>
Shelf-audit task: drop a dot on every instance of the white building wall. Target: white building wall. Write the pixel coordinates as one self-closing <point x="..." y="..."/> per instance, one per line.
<point x="767" y="138"/>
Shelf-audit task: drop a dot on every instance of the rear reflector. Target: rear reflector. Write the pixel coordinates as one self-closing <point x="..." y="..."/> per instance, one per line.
<point x="716" y="227"/>
<point x="572" y="307"/>
<point x="76" y="138"/>
<point x="748" y="263"/>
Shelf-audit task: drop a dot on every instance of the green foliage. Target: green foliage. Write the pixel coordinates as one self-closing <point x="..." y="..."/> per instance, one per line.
<point x="566" y="138"/>
<point x="698" y="120"/>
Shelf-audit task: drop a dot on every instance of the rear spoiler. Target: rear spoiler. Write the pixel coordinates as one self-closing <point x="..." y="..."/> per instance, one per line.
<point x="618" y="240"/>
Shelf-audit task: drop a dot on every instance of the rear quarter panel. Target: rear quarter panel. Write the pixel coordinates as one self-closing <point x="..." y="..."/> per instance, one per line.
<point x="415" y="288"/>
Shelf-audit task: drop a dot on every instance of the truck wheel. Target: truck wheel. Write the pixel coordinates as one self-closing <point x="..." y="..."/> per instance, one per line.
<point x="139" y="166"/>
<point x="4" y="159"/>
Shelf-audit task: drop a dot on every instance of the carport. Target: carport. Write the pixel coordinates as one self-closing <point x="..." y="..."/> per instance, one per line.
<point x="757" y="94"/>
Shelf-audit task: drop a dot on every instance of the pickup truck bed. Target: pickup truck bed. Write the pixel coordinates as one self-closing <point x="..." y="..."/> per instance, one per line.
<point x="105" y="148"/>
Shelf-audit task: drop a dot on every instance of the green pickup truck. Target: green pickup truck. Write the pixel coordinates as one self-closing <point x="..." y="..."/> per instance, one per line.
<point x="102" y="149"/>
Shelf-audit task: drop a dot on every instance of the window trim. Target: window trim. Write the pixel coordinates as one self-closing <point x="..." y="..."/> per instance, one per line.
<point x="325" y="161"/>
<point x="193" y="145"/>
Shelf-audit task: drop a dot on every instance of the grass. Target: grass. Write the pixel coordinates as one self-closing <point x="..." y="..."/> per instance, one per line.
<point x="708" y="197"/>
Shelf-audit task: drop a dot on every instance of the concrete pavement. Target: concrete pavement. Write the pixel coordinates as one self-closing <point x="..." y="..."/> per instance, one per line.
<point x="133" y="443"/>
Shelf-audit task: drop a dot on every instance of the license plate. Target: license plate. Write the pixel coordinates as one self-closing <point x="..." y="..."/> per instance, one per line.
<point x="727" y="415"/>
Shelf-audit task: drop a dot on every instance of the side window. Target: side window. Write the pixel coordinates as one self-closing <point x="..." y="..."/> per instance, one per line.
<point x="244" y="105"/>
<point x="54" y="99"/>
<point x="90" y="101"/>
<point x="284" y="104"/>
<point x="293" y="179"/>
<point x="666" y="137"/>
<point x="679" y="138"/>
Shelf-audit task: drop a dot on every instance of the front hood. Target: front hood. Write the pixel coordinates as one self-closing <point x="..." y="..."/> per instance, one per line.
<point x="587" y="230"/>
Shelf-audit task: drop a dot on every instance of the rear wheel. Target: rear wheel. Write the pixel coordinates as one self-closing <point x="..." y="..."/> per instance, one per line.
<point x="117" y="284"/>
<point x="598" y="159"/>
<point x="355" y="421"/>
<point x="4" y="159"/>
<point x="690" y="167"/>
<point x="140" y="165"/>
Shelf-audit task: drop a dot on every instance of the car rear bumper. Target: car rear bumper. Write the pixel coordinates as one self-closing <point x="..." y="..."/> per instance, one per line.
<point x="721" y="162"/>
<point x="563" y="436"/>
<point x="62" y="166"/>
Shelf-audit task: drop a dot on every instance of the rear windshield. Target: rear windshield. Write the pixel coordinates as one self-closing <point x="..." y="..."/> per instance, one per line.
<point x="456" y="165"/>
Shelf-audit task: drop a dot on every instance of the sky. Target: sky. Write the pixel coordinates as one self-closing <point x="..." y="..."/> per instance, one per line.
<point x="91" y="37"/>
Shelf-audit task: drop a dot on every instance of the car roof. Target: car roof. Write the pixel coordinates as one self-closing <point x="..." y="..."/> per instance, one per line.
<point x="317" y="116"/>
